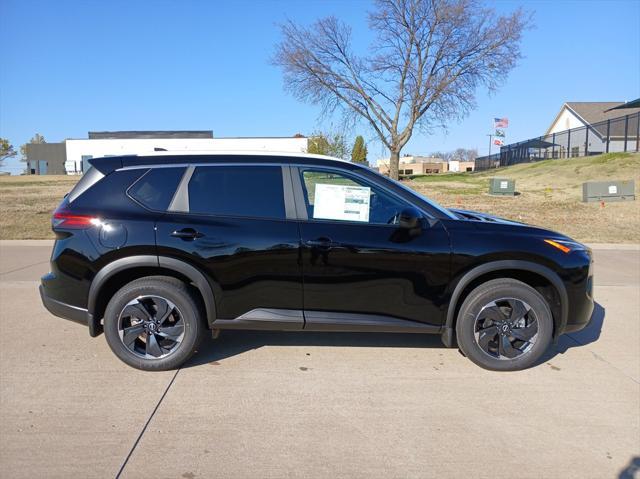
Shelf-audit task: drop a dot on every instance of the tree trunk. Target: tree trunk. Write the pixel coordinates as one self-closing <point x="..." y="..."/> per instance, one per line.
<point x="394" y="161"/>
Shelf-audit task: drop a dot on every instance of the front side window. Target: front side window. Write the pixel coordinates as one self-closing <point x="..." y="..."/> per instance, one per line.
<point x="251" y="191"/>
<point x="333" y="196"/>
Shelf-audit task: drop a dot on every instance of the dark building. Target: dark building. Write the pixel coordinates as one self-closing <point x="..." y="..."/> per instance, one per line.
<point x="130" y="135"/>
<point x="46" y="158"/>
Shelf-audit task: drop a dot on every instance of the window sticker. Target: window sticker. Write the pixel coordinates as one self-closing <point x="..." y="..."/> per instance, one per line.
<point x="342" y="202"/>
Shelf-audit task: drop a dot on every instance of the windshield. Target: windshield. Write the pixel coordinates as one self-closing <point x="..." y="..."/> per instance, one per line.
<point x="436" y="206"/>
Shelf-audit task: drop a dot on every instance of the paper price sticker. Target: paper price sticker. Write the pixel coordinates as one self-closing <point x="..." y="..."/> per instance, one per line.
<point x="342" y="202"/>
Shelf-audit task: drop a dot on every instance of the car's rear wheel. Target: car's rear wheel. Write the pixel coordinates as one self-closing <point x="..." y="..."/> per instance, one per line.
<point x="154" y="323"/>
<point x="504" y="325"/>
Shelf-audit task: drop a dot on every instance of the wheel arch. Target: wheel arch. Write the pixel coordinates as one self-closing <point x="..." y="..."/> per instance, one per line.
<point x="524" y="271"/>
<point x="124" y="270"/>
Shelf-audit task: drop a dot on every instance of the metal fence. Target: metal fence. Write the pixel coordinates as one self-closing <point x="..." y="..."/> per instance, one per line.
<point x="614" y="135"/>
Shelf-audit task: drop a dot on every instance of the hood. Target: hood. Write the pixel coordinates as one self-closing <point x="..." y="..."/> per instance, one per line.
<point x="487" y="221"/>
<point x="484" y="217"/>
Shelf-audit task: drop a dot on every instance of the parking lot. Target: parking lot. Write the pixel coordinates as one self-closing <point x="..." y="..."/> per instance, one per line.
<point x="270" y="404"/>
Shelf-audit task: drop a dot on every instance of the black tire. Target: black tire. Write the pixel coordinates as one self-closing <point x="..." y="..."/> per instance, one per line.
<point x="187" y="315"/>
<point x="483" y="310"/>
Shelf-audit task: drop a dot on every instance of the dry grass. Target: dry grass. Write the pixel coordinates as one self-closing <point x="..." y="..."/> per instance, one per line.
<point x="550" y="196"/>
<point x="27" y="203"/>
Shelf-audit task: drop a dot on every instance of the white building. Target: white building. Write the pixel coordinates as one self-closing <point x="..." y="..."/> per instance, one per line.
<point x="608" y="129"/>
<point x="125" y="143"/>
<point x="72" y="155"/>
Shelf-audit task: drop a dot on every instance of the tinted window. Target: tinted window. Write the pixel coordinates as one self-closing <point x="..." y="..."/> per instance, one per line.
<point x="155" y="189"/>
<point x="109" y="193"/>
<point x="89" y="179"/>
<point x="237" y="191"/>
<point x="332" y="196"/>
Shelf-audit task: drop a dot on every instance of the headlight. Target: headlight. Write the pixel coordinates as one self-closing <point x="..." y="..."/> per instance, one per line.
<point x="566" y="246"/>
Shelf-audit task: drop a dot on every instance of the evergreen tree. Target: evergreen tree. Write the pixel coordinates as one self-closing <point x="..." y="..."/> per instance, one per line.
<point x="359" y="151"/>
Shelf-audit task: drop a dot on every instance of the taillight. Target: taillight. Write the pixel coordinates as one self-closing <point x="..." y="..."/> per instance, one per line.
<point x="66" y="219"/>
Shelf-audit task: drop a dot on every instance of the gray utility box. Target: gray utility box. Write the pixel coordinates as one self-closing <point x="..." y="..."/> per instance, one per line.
<point x="608" y="191"/>
<point x="502" y="186"/>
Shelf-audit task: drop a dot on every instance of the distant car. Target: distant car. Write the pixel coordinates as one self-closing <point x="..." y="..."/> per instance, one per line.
<point x="160" y="250"/>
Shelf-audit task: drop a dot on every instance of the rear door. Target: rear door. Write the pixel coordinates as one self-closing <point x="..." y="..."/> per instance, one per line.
<point x="236" y="223"/>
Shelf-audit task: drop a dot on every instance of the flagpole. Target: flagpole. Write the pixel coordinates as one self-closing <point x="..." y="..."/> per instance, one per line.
<point x="490" y="138"/>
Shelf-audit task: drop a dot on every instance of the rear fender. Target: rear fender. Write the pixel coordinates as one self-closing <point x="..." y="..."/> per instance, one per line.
<point x="147" y="261"/>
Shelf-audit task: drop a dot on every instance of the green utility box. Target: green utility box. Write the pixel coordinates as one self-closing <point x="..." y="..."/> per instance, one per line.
<point x="608" y="191"/>
<point x="502" y="186"/>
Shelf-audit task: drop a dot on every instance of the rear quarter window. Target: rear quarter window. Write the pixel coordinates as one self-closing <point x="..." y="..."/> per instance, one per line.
<point x="90" y="178"/>
<point x="156" y="188"/>
<point x="109" y="193"/>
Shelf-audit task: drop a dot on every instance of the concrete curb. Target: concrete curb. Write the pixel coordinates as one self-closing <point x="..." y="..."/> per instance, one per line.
<point x="615" y="246"/>
<point x="26" y="242"/>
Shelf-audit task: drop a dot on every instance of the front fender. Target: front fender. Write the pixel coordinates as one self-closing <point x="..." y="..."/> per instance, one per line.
<point x="493" y="266"/>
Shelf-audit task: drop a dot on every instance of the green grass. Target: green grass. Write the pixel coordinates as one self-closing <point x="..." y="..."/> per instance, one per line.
<point x="445" y="177"/>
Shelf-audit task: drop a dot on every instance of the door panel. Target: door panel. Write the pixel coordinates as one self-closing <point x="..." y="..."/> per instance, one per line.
<point x="375" y="269"/>
<point x="357" y="259"/>
<point x="252" y="263"/>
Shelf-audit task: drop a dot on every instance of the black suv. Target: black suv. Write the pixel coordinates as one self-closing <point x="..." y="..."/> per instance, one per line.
<point x="159" y="250"/>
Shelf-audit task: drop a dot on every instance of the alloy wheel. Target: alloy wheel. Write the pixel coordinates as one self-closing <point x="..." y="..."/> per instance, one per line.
<point x="151" y="327"/>
<point x="506" y="328"/>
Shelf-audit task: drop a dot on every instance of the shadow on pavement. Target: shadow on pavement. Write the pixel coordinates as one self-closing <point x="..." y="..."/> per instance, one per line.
<point x="231" y="343"/>
<point x="632" y="471"/>
<point x="588" y="335"/>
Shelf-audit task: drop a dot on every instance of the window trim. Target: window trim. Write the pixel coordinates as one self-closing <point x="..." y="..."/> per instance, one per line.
<point x="298" y="170"/>
<point x="181" y="196"/>
<point x="180" y="200"/>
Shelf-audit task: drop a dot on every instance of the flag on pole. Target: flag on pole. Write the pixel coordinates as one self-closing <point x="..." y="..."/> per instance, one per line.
<point x="498" y="142"/>
<point x="500" y="122"/>
<point x="499" y="133"/>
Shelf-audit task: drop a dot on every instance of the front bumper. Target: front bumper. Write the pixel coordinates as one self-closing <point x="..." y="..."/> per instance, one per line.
<point x="581" y="300"/>
<point x="63" y="310"/>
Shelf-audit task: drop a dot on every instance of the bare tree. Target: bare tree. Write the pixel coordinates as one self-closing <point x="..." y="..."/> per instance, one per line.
<point x="425" y="65"/>
<point x="6" y="150"/>
<point x="465" y="154"/>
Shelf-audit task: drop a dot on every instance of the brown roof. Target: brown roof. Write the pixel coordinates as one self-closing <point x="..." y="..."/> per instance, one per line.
<point x="595" y="111"/>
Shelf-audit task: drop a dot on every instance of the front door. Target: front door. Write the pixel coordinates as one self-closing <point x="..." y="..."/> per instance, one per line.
<point x="356" y="259"/>
<point x="236" y="230"/>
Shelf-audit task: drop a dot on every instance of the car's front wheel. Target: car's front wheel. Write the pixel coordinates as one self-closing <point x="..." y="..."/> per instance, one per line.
<point x="154" y="323"/>
<point x="504" y="325"/>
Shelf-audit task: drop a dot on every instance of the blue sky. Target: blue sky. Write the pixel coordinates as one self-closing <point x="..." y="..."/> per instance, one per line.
<point x="70" y="67"/>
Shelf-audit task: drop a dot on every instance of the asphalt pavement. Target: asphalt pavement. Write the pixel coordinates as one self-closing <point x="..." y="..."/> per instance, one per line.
<point x="272" y="404"/>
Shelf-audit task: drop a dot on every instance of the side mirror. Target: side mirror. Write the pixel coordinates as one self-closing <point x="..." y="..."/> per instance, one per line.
<point x="410" y="218"/>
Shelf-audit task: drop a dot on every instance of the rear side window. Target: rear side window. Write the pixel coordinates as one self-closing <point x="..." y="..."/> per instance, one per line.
<point x="253" y="191"/>
<point x="109" y="193"/>
<point x="90" y="178"/>
<point x="156" y="189"/>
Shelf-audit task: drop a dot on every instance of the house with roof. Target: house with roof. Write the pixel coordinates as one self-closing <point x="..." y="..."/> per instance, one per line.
<point x="597" y="127"/>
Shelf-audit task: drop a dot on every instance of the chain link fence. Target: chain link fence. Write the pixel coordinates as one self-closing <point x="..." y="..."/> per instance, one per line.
<point x="609" y="136"/>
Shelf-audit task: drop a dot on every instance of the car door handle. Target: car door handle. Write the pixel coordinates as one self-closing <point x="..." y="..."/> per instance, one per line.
<point x="187" y="234"/>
